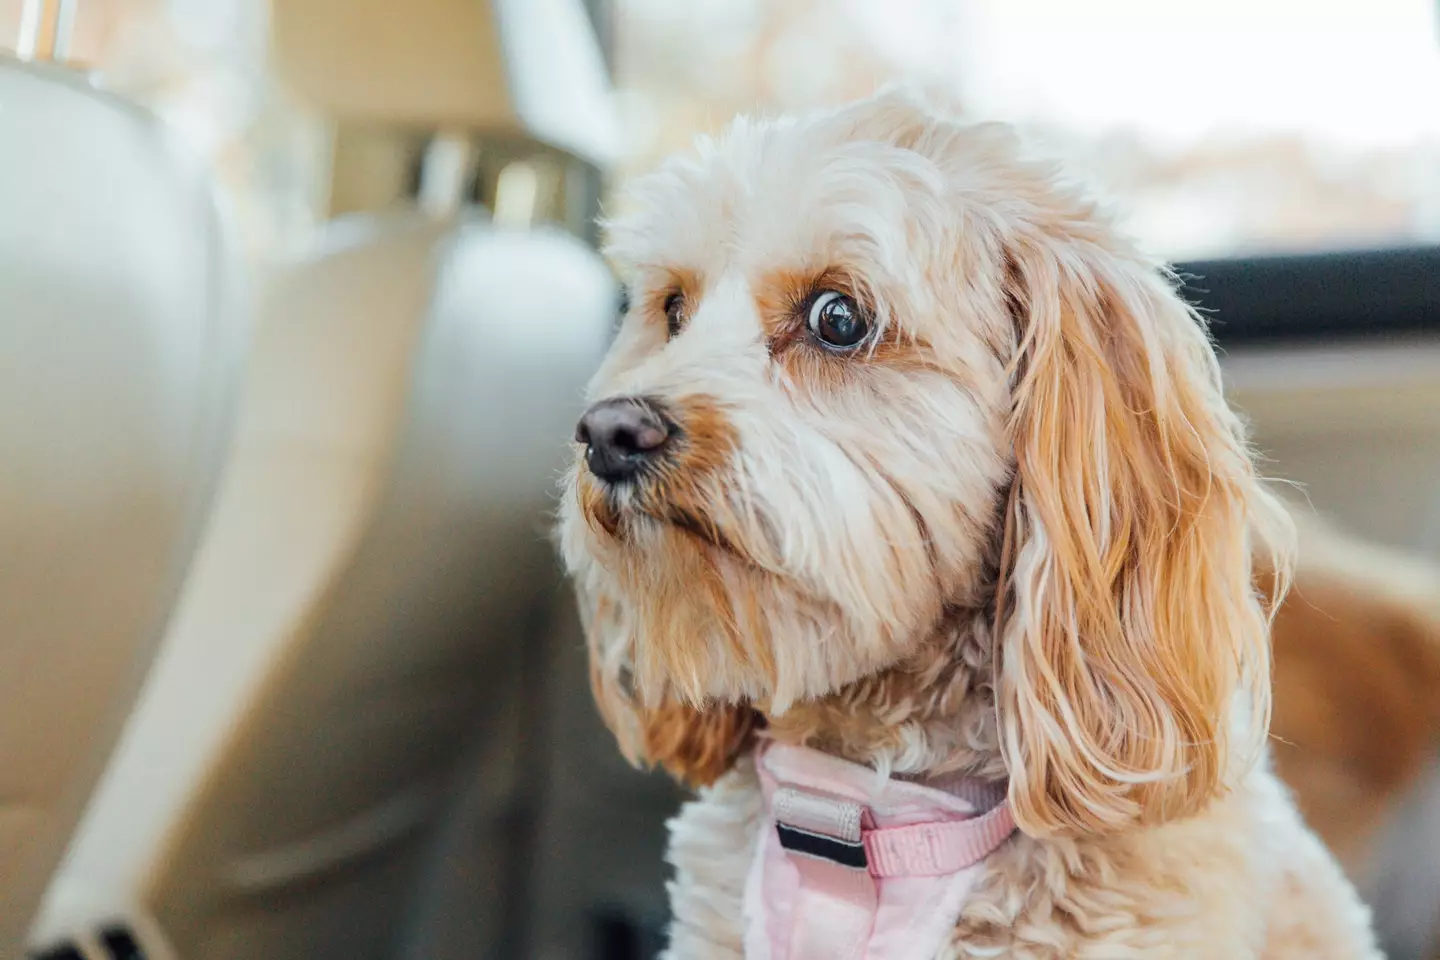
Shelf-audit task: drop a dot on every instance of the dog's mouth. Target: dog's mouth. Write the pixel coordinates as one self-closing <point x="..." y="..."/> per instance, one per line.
<point x="702" y="527"/>
<point x="660" y="497"/>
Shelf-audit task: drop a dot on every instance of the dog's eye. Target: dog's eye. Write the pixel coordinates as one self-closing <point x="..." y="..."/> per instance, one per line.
<point x="837" y="321"/>
<point x="674" y="313"/>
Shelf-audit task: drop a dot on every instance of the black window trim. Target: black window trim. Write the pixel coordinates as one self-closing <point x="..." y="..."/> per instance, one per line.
<point x="1386" y="294"/>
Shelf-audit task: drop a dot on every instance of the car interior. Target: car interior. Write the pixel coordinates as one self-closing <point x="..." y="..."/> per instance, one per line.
<point x="288" y="665"/>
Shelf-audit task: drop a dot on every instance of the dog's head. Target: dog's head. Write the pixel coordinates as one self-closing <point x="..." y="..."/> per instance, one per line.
<point x="876" y="367"/>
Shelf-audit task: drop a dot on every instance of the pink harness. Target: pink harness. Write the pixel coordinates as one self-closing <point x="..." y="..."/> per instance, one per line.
<point x="863" y="868"/>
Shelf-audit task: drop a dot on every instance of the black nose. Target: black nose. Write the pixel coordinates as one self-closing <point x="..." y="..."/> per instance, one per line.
<point x="621" y="435"/>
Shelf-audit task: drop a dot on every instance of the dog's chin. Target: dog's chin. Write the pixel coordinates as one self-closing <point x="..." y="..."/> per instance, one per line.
<point x="717" y="619"/>
<point x="755" y="641"/>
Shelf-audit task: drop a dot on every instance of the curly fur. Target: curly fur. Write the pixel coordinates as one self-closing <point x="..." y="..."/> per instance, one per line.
<point x="1011" y="535"/>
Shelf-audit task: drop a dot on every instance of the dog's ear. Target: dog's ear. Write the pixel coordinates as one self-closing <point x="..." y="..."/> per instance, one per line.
<point x="1127" y="620"/>
<point x="695" y="745"/>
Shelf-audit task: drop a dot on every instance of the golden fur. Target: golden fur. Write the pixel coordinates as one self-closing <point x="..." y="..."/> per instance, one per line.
<point x="1127" y="617"/>
<point x="1357" y="671"/>
<point x="1011" y="536"/>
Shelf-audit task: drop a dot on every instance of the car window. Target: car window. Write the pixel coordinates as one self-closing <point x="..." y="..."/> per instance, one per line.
<point x="1227" y="128"/>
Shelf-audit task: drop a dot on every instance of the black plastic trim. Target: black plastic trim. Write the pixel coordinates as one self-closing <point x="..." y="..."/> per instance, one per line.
<point x="120" y="943"/>
<point x="64" y="951"/>
<point x="1380" y="294"/>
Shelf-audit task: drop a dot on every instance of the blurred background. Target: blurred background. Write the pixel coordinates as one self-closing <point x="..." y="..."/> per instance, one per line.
<point x="297" y="301"/>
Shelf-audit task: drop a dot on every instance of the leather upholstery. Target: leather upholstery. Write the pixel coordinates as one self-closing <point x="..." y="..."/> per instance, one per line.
<point x="377" y="562"/>
<point x="119" y="346"/>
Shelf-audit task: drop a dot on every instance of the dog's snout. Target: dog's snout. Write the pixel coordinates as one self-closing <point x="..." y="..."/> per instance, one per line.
<point x="620" y="436"/>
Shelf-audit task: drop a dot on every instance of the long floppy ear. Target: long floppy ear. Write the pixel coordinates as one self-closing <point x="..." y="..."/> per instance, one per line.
<point x="1128" y="623"/>
<point x="694" y="745"/>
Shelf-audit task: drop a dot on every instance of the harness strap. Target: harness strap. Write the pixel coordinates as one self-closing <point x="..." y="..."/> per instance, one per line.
<point x="935" y="849"/>
<point x="839" y="855"/>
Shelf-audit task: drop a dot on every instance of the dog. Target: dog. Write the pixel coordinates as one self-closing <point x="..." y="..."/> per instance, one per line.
<point x="909" y="523"/>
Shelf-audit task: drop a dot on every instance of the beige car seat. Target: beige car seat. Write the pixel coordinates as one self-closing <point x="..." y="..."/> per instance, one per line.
<point x="377" y="560"/>
<point x="347" y="653"/>
<point x="118" y="354"/>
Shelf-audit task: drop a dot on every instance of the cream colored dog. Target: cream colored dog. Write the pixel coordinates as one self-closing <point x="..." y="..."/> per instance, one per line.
<point x="903" y="454"/>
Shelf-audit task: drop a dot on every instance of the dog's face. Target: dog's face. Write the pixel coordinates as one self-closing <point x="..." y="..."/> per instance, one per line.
<point x="825" y="357"/>
<point x="874" y="368"/>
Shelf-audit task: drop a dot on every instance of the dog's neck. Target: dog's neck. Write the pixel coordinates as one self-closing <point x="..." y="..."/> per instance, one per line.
<point x="934" y="713"/>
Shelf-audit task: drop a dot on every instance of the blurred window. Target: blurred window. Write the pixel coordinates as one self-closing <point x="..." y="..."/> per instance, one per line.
<point x="1224" y="128"/>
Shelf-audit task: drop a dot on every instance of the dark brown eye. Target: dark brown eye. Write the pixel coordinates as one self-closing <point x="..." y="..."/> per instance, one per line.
<point x="674" y="312"/>
<point x="837" y="321"/>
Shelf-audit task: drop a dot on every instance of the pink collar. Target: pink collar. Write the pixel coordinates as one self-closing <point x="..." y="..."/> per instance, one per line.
<point x="860" y="867"/>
